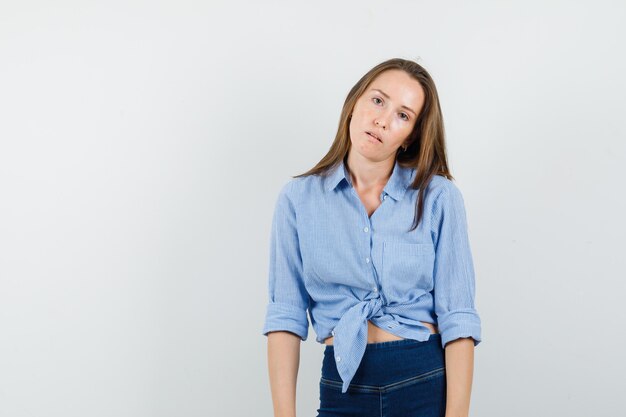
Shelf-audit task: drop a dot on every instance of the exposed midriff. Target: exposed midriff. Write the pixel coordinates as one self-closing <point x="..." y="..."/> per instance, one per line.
<point x="377" y="335"/>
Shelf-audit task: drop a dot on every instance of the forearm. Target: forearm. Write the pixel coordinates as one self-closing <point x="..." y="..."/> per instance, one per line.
<point x="459" y="373"/>
<point x="283" y="357"/>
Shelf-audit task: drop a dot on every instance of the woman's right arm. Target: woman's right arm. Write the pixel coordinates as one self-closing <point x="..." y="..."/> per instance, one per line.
<point x="283" y="358"/>
<point x="286" y="321"/>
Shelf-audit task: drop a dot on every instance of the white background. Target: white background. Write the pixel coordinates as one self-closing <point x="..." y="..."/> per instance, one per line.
<point x="143" y="144"/>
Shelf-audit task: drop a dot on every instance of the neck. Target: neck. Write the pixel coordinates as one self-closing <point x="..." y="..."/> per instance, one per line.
<point x="367" y="174"/>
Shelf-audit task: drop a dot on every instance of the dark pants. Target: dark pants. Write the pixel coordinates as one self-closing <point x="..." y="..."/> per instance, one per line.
<point x="399" y="378"/>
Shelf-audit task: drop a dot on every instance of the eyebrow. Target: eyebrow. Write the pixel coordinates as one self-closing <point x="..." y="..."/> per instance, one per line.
<point x="386" y="96"/>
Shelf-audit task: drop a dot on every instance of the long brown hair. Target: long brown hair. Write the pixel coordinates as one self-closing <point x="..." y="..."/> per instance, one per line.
<point x="426" y="149"/>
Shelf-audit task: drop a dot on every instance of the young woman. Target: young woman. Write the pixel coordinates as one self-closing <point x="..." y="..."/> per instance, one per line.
<point x="373" y="243"/>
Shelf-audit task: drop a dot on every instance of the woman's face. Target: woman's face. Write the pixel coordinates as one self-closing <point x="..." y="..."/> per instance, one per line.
<point x="388" y="109"/>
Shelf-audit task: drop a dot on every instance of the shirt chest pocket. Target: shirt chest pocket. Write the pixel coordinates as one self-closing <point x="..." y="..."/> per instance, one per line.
<point x="407" y="268"/>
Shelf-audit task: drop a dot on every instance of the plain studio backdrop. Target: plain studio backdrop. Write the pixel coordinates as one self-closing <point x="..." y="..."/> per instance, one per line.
<point x="143" y="145"/>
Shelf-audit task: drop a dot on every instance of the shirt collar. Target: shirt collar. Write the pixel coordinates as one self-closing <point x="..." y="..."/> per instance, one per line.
<point x="396" y="186"/>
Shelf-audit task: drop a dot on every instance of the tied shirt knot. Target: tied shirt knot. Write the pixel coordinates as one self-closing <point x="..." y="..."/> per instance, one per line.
<point x="350" y="338"/>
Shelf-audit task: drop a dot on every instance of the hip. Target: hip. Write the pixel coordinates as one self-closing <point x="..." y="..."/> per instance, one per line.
<point x="391" y="362"/>
<point x="396" y="378"/>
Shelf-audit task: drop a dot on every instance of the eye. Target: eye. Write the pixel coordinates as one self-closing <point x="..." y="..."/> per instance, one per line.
<point x="405" y="115"/>
<point x="376" y="98"/>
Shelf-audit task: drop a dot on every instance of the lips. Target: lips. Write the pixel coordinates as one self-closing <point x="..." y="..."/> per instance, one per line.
<point x="374" y="136"/>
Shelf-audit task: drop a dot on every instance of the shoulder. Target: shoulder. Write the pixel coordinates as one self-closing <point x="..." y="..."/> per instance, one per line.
<point x="442" y="187"/>
<point x="296" y="189"/>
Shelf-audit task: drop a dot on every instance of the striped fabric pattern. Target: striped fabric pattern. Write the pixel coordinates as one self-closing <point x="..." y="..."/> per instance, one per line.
<point x="334" y="267"/>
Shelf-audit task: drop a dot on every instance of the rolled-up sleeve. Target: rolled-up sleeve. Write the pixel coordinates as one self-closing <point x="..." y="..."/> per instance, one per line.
<point x="454" y="282"/>
<point x="288" y="298"/>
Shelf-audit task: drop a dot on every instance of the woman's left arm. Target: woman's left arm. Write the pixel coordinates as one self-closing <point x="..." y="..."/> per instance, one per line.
<point x="459" y="373"/>
<point x="454" y="290"/>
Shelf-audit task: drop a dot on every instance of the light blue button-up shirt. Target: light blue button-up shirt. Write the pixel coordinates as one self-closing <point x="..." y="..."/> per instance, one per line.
<point x="329" y="257"/>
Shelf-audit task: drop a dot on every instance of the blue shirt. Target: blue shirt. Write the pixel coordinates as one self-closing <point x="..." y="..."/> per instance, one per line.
<point x="329" y="257"/>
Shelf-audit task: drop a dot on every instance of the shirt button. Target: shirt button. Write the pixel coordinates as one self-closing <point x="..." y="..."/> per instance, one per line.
<point x="332" y="332"/>
<point x="384" y="197"/>
<point x="366" y="229"/>
<point x="367" y="260"/>
<point x="337" y="358"/>
<point x="375" y="289"/>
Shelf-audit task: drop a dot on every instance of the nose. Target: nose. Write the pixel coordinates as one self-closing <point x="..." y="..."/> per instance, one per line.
<point x="381" y="122"/>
